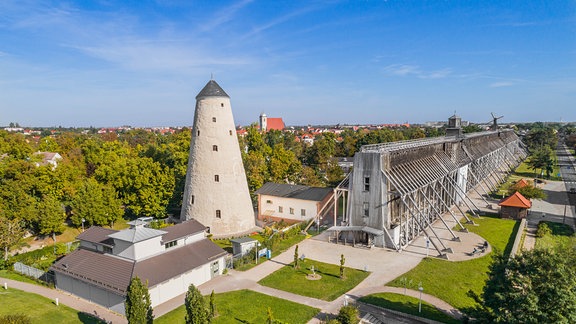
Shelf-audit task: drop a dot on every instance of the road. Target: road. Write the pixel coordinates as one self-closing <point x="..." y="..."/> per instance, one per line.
<point x="560" y="204"/>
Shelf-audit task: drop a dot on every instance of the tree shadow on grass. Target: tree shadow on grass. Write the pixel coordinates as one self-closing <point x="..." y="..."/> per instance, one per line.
<point x="89" y="318"/>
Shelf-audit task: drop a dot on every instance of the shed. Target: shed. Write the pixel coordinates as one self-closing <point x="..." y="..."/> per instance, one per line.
<point x="515" y="206"/>
<point x="241" y="246"/>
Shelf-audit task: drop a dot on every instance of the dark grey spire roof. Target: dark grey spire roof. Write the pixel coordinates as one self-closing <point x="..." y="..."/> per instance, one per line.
<point x="212" y="89"/>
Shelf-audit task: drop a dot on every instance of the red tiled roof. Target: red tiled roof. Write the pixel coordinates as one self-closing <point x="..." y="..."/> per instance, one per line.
<point x="516" y="200"/>
<point x="521" y="184"/>
<point x="275" y="123"/>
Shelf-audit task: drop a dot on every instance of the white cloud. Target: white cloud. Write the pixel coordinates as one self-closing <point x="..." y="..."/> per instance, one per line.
<point x="414" y="70"/>
<point x="225" y="15"/>
<point x="501" y="84"/>
<point x="157" y="55"/>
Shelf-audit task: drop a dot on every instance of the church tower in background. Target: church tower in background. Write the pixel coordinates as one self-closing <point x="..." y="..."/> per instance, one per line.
<point x="216" y="192"/>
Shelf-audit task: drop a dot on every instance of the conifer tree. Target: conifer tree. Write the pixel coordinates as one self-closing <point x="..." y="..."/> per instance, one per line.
<point x="196" y="310"/>
<point x="296" y="257"/>
<point x="342" y="261"/>
<point x="138" y="305"/>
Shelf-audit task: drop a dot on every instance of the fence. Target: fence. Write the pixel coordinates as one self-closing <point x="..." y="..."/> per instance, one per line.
<point x="33" y="272"/>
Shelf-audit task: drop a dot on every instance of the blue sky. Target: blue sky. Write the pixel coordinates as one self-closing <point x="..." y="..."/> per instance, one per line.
<point x="141" y="63"/>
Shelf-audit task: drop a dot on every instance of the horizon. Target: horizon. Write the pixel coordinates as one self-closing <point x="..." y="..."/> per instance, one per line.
<point x="309" y="62"/>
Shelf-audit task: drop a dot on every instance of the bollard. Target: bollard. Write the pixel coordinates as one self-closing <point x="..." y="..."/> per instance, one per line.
<point x="6" y="286"/>
<point x="56" y="301"/>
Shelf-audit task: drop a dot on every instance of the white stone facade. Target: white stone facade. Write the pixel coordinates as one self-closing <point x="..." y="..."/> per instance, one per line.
<point x="216" y="192"/>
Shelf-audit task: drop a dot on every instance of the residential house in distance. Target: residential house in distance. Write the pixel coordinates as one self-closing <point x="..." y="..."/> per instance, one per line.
<point x="271" y="123"/>
<point x="169" y="260"/>
<point x="49" y="158"/>
<point x="291" y="203"/>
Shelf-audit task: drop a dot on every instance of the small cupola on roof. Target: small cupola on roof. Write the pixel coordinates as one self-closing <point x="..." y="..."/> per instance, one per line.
<point x="212" y="89"/>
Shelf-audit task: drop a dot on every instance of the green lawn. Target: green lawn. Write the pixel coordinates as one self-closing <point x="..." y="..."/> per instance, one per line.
<point x="408" y="305"/>
<point x="562" y="235"/>
<point x="328" y="288"/>
<point x="246" y="306"/>
<point x="40" y="309"/>
<point x="450" y="281"/>
<point x="16" y="276"/>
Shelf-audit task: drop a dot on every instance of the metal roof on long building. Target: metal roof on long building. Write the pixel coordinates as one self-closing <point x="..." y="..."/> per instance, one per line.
<point x="294" y="191"/>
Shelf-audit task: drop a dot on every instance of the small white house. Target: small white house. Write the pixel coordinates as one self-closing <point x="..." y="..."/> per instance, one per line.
<point x="169" y="260"/>
<point x="49" y="158"/>
<point x="242" y="245"/>
<point x="291" y="203"/>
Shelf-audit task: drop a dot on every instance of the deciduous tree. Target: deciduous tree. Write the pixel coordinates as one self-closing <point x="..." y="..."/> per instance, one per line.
<point x="537" y="286"/>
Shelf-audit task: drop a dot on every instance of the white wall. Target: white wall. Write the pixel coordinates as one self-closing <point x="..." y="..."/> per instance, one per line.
<point x="272" y="208"/>
<point x="230" y="194"/>
<point x="174" y="287"/>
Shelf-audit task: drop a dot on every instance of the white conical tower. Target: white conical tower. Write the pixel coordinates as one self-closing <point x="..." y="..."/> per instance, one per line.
<point x="216" y="192"/>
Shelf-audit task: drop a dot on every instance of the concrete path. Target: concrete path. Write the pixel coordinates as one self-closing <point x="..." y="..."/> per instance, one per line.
<point x="66" y="299"/>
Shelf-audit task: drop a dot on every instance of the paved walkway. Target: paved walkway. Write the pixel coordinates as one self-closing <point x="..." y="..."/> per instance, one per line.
<point x="66" y="299"/>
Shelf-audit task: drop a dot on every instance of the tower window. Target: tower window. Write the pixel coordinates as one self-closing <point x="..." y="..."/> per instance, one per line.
<point x="222" y="104"/>
<point x="218" y="213"/>
<point x="214" y="119"/>
<point x="366" y="207"/>
<point x="230" y="132"/>
<point x="366" y="183"/>
<point x="215" y="148"/>
<point x="192" y="199"/>
<point x="216" y="178"/>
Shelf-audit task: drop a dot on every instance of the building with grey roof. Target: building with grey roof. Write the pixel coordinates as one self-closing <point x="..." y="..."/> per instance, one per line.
<point x="292" y="203"/>
<point x="169" y="260"/>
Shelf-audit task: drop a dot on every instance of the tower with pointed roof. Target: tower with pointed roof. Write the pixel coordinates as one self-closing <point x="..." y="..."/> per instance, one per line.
<point x="216" y="192"/>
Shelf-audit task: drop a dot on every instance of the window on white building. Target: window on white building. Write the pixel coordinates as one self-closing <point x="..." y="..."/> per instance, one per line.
<point x="291" y="211"/>
<point x="280" y="209"/>
<point x="302" y="212"/>
<point x="366" y="183"/>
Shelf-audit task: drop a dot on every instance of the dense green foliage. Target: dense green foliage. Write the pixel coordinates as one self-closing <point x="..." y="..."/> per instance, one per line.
<point x="537" y="286"/>
<point x="196" y="310"/>
<point x="138" y="306"/>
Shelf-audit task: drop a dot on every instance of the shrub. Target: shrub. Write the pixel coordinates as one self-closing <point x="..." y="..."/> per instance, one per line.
<point x="543" y="230"/>
<point x="348" y="315"/>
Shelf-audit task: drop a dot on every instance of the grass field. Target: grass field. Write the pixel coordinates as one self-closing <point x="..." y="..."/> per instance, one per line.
<point x="562" y="235"/>
<point x="246" y="306"/>
<point x="451" y="281"/>
<point x="329" y="287"/>
<point x="407" y="305"/>
<point x="40" y="309"/>
<point x="16" y="276"/>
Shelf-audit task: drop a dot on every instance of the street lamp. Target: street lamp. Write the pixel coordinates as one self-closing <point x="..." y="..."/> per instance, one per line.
<point x="420" y="302"/>
<point x="83" y="220"/>
<point x="257" y="246"/>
